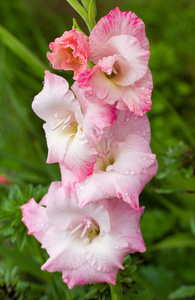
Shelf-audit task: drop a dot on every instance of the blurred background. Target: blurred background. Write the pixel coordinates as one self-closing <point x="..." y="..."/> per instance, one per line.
<point x="168" y="223"/>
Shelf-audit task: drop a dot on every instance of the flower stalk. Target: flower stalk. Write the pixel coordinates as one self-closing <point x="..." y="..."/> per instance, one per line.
<point x="88" y="15"/>
<point x="116" y="293"/>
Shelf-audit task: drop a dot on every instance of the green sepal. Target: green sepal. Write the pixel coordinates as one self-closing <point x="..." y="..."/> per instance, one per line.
<point x="75" y="25"/>
<point x="92" y="11"/>
<point x="85" y="4"/>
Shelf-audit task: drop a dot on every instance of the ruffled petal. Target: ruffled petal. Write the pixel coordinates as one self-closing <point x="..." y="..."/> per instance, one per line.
<point x="116" y="23"/>
<point x="96" y="117"/>
<point x="131" y="60"/>
<point x="137" y="97"/>
<point x="97" y="87"/>
<point x="107" y="252"/>
<point x="66" y="251"/>
<point x="86" y="274"/>
<point x="55" y="97"/>
<point x="109" y="184"/>
<point x="132" y="156"/>
<point x="52" y="188"/>
<point x="70" y="52"/>
<point x="125" y="221"/>
<point x="35" y="219"/>
<point x="80" y="156"/>
<point x="128" y="123"/>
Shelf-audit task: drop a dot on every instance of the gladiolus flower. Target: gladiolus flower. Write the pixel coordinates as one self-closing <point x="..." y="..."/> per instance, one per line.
<point x="124" y="163"/>
<point x="66" y="141"/>
<point x="70" y="52"/>
<point x="119" y="49"/>
<point x="87" y="245"/>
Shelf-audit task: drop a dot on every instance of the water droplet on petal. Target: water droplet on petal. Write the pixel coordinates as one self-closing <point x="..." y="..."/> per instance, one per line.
<point x="132" y="173"/>
<point x="115" y="247"/>
<point x="144" y="158"/>
<point x="143" y="88"/>
<point x="127" y="119"/>
<point x="81" y="188"/>
<point x="139" y="159"/>
<point x="126" y="172"/>
<point x="130" y="146"/>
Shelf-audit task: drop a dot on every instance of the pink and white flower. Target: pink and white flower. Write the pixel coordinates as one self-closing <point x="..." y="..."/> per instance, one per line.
<point x="67" y="143"/>
<point x="124" y="163"/>
<point x="70" y="52"/>
<point x="96" y="116"/>
<point x="87" y="245"/>
<point x="119" y="48"/>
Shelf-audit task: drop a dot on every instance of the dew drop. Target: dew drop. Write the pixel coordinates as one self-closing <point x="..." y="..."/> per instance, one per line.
<point x="139" y="159"/>
<point x="144" y="158"/>
<point x="130" y="146"/>
<point x="143" y="88"/>
<point x="132" y="173"/>
<point x="37" y="225"/>
<point x="81" y="188"/>
<point x="125" y="194"/>
<point x="127" y="119"/>
<point x="126" y="172"/>
<point x="115" y="247"/>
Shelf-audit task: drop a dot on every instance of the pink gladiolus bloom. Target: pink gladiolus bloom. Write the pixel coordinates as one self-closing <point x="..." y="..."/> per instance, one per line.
<point x="124" y="163"/>
<point x="70" y="52"/>
<point x="87" y="245"/>
<point x="66" y="141"/>
<point x="96" y="116"/>
<point x="119" y="48"/>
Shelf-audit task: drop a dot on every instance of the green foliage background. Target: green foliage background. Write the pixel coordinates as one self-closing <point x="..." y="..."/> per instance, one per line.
<point x="166" y="269"/>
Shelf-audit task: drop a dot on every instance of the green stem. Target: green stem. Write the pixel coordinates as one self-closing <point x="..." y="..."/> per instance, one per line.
<point x="82" y="12"/>
<point x="69" y="293"/>
<point x="116" y="293"/>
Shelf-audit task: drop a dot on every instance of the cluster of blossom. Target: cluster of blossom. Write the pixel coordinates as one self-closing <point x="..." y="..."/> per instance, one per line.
<point x="99" y="134"/>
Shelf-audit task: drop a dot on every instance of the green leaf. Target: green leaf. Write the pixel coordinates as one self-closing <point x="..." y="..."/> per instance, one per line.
<point x="175" y="241"/>
<point x="183" y="292"/>
<point x="85" y="4"/>
<point x="92" y="12"/>
<point x="192" y="224"/>
<point x="7" y="39"/>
